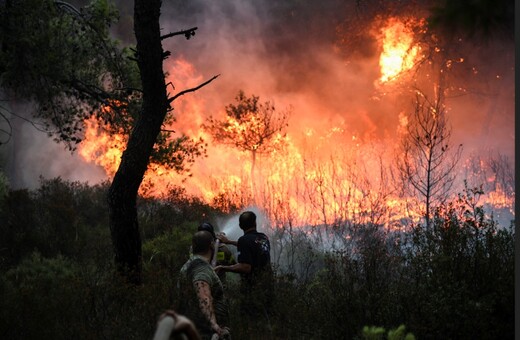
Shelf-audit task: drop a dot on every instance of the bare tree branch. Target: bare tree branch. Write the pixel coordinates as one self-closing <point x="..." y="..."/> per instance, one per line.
<point x="67" y="7"/>
<point x="171" y="99"/>
<point x="9" y="130"/>
<point x="187" y="33"/>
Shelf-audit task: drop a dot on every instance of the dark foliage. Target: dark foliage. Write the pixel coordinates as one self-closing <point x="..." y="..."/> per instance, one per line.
<point x="58" y="280"/>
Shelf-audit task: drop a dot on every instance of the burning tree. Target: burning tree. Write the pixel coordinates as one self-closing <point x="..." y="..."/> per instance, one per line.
<point x="427" y="164"/>
<point x="250" y="126"/>
<point x="66" y="62"/>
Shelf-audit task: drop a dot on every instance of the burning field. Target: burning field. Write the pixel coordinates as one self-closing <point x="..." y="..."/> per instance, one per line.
<point x="375" y="147"/>
<point x="349" y="82"/>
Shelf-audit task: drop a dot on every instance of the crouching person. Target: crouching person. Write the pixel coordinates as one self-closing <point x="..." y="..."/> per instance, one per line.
<point x="201" y="291"/>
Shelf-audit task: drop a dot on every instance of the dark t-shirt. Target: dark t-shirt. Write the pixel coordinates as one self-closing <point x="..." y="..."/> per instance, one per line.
<point x="254" y="249"/>
<point x="257" y="286"/>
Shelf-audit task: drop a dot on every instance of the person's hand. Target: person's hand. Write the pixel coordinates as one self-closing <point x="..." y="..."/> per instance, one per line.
<point x="223" y="238"/>
<point x="182" y="324"/>
<point x="218" y="269"/>
<point x="222" y="332"/>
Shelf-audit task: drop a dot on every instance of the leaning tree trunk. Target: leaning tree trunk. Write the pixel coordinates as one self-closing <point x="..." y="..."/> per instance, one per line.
<point x="123" y="191"/>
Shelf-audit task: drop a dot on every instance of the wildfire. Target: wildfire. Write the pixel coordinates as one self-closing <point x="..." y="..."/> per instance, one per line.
<point x="318" y="176"/>
<point x="102" y="148"/>
<point x="399" y="51"/>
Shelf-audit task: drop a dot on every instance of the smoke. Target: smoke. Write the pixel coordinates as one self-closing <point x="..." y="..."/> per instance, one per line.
<point x="285" y="55"/>
<point x="318" y="58"/>
<point x="291" y="251"/>
<point x="31" y="155"/>
<point x="229" y="226"/>
<point x="295" y="56"/>
<point x="322" y="60"/>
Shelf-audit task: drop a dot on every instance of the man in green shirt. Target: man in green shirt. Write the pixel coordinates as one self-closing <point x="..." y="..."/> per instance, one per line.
<point x="201" y="291"/>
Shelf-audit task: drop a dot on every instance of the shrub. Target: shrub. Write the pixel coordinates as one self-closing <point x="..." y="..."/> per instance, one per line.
<point x="163" y="257"/>
<point x="377" y="333"/>
<point x="41" y="299"/>
<point x="454" y="280"/>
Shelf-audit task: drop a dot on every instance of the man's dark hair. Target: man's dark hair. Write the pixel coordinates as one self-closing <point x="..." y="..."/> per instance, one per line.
<point x="207" y="227"/>
<point x="201" y="242"/>
<point x="247" y="220"/>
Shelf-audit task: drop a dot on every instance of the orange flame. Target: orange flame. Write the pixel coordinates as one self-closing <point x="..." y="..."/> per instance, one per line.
<point x="399" y="52"/>
<point x="315" y="177"/>
<point x="102" y="148"/>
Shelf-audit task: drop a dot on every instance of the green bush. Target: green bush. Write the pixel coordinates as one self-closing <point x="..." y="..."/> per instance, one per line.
<point x="454" y="280"/>
<point x="59" y="218"/>
<point x="20" y="235"/>
<point x="460" y="274"/>
<point x="377" y="333"/>
<point x="40" y="299"/>
<point x="163" y="257"/>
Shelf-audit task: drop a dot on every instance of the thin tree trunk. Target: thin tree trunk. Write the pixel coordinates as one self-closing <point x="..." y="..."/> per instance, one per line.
<point x="123" y="191"/>
<point x="253" y="186"/>
<point x="428" y="190"/>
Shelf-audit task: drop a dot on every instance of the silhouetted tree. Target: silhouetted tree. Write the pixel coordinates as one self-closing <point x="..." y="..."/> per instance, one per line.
<point x="135" y="159"/>
<point x="64" y="60"/>
<point x="427" y="162"/>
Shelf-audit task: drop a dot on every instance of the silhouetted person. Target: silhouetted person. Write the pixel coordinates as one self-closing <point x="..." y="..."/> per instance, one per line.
<point x="254" y="267"/>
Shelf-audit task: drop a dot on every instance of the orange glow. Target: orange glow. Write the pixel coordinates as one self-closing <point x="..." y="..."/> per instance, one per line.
<point x="101" y="148"/>
<point x="323" y="172"/>
<point x="399" y="52"/>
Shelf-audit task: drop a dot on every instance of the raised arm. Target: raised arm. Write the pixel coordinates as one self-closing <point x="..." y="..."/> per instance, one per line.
<point x="223" y="238"/>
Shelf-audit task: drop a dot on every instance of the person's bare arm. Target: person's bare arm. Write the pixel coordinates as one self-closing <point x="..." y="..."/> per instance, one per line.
<point x="223" y="238"/>
<point x="206" y="305"/>
<point x="240" y="268"/>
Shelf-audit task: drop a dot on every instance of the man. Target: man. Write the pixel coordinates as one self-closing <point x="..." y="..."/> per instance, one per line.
<point x="224" y="256"/>
<point x="202" y="293"/>
<point x="254" y="267"/>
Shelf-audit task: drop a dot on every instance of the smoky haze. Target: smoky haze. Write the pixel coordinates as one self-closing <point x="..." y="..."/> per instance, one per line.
<point x="322" y="59"/>
<point x="318" y="58"/>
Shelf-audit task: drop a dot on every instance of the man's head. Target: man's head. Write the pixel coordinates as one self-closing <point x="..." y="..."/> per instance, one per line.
<point x="207" y="227"/>
<point x="247" y="220"/>
<point x="202" y="242"/>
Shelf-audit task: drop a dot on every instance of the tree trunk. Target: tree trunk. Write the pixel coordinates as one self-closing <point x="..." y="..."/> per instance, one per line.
<point x="123" y="191"/>
<point x="253" y="186"/>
